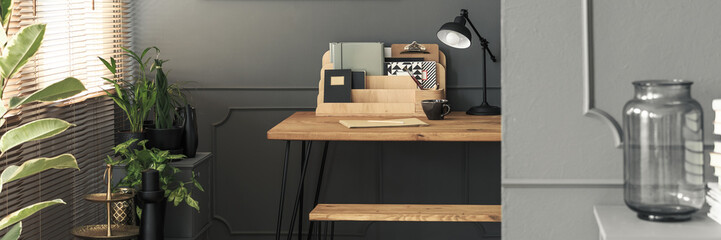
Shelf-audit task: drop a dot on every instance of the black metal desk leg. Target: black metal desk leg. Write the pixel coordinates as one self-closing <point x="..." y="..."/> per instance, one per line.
<point x="318" y="185"/>
<point x="282" y="190"/>
<point x="303" y="162"/>
<point x="297" y="208"/>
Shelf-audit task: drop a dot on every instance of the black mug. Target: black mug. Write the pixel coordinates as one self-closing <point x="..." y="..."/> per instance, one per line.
<point x="436" y="109"/>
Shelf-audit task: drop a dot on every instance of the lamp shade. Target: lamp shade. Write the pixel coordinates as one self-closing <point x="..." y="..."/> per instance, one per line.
<point x="455" y="34"/>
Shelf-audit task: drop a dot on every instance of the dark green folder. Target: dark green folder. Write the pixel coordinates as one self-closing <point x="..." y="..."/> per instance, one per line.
<point x="358" y="56"/>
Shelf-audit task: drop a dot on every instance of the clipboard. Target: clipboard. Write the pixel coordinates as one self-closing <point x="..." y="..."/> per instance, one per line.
<point x="432" y="55"/>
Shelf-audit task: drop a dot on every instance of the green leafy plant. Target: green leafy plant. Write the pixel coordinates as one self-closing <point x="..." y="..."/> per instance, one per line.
<point x="16" y="51"/>
<point x="168" y="97"/>
<point x="135" y="97"/>
<point x="138" y="160"/>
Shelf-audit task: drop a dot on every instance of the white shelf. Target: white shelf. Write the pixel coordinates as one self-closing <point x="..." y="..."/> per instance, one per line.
<point x="620" y="223"/>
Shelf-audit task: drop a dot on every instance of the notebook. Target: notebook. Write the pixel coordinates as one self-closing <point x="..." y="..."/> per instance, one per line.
<point x="337" y="85"/>
<point x="358" y="56"/>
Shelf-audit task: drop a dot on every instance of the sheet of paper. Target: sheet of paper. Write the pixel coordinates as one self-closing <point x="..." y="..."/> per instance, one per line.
<point x="404" y="122"/>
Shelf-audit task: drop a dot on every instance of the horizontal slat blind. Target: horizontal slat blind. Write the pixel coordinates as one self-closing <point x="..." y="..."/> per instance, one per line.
<point x="75" y="36"/>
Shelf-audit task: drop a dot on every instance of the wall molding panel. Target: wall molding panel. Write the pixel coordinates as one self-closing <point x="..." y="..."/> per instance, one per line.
<point x="213" y="138"/>
<point x="589" y="98"/>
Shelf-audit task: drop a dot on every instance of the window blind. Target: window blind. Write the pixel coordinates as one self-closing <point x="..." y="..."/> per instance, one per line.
<point x="75" y="36"/>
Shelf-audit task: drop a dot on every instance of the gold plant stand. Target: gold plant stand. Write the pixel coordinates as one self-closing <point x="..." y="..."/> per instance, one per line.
<point x="109" y="230"/>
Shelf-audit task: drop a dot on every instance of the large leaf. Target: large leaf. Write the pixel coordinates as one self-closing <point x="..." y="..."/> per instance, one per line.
<point x="34" y="166"/>
<point x="109" y="65"/>
<point x="6" y="8"/>
<point x="60" y="90"/>
<point x="20" y="48"/>
<point x="35" y="130"/>
<point x="26" y="212"/>
<point x="3" y="37"/>
<point x="14" y="232"/>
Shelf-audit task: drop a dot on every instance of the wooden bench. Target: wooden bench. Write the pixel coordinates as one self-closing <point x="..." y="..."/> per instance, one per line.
<point x="406" y="213"/>
<point x="402" y="213"/>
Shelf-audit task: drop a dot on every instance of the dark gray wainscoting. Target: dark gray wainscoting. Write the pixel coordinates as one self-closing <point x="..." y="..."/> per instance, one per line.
<point x="233" y="124"/>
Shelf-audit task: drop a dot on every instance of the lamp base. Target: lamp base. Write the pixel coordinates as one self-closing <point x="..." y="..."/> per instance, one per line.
<point x="484" y="110"/>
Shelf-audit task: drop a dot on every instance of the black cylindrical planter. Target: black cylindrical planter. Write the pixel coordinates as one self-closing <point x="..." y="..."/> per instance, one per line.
<point x="148" y="124"/>
<point x="153" y="217"/>
<point x="165" y="139"/>
<point x="124" y="136"/>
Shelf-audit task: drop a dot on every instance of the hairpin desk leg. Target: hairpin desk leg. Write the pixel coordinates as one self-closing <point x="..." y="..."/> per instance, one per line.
<point x="282" y="190"/>
<point x="318" y="185"/>
<point x="297" y="208"/>
<point x="325" y="232"/>
<point x="304" y="162"/>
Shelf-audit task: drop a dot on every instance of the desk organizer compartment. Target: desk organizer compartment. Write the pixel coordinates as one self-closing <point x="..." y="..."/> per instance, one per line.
<point x="383" y="96"/>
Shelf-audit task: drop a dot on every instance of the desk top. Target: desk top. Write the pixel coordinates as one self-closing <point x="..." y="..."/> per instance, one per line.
<point x="620" y="223"/>
<point x="457" y="127"/>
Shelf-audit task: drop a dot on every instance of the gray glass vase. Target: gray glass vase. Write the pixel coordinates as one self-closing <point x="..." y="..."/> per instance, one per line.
<point x="663" y="151"/>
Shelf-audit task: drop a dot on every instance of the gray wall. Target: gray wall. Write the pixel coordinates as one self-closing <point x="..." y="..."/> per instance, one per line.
<point x="250" y="64"/>
<point x="557" y="163"/>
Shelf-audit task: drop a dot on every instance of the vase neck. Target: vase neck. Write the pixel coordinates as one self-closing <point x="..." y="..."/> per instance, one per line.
<point x="662" y="89"/>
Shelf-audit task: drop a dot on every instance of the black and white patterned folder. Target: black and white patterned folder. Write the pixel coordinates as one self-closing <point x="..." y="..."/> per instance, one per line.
<point x="425" y="71"/>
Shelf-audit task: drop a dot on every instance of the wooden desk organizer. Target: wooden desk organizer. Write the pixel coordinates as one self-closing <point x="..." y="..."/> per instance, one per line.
<point x="383" y="96"/>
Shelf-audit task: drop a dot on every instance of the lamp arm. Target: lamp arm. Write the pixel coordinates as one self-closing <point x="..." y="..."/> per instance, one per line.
<point x="484" y="42"/>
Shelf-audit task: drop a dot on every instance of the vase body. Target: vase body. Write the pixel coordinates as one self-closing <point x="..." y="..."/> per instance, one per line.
<point x="663" y="151"/>
<point x="190" y="131"/>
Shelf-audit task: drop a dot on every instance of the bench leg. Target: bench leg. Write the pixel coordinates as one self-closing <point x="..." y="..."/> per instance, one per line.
<point x="318" y="186"/>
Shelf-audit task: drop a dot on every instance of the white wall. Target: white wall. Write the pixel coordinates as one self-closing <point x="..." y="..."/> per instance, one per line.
<point x="557" y="163"/>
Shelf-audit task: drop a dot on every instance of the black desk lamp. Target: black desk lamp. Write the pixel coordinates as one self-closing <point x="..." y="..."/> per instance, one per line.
<point x="455" y="34"/>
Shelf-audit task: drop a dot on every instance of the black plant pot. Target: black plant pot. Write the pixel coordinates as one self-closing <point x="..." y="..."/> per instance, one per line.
<point x="165" y="139"/>
<point x="124" y="136"/>
<point x="148" y="124"/>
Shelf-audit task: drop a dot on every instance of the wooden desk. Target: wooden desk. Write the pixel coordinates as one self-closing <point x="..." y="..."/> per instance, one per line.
<point x="457" y="127"/>
<point x="306" y="127"/>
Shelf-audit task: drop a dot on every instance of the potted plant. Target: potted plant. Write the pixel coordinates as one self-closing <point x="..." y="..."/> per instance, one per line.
<point x="135" y="97"/>
<point x="142" y="158"/>
<point x="165" y="135"/>
<point x="16" y="51"/>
